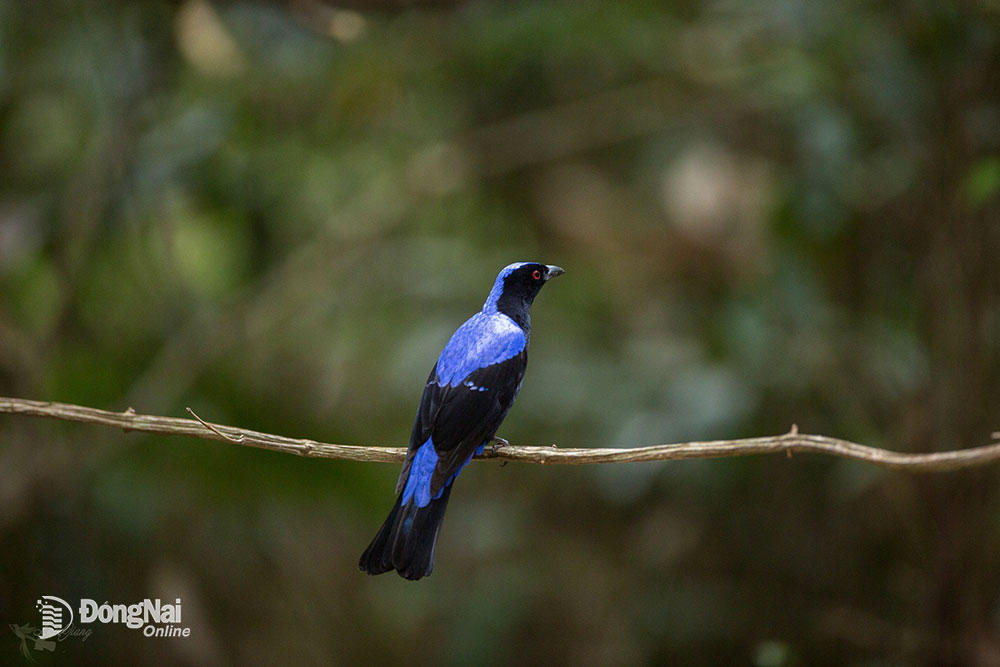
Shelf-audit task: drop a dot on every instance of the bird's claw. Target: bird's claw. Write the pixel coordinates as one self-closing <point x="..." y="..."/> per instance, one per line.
<point x="498" y="443"/>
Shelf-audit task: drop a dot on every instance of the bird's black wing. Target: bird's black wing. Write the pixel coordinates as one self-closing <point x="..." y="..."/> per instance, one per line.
<point x="458" y="419"/>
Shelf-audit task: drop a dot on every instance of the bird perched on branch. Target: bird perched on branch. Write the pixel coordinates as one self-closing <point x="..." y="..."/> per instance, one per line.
<point x="469" y="391"/>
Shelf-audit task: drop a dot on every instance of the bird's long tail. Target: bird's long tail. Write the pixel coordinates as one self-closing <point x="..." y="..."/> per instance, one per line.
<point x="406" y="540"/>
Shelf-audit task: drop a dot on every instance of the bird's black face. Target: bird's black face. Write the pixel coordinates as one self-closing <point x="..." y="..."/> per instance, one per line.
<point x="527" y="279"/>
<point x="521" y="286"/>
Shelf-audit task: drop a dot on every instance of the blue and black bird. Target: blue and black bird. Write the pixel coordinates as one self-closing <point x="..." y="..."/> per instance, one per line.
<point x="469" y="391"/>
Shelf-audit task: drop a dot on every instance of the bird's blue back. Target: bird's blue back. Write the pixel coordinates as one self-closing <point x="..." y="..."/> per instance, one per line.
<point x="483" y="340"/>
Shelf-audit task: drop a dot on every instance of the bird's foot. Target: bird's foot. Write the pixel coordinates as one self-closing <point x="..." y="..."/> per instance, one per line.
<point x="498" y="443"/>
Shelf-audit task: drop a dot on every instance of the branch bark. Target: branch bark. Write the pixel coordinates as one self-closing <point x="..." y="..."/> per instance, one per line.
<point x="789" y="443"/>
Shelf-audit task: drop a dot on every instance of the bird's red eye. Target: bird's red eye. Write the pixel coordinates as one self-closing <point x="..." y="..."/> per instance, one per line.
<point x="536" y="274"/>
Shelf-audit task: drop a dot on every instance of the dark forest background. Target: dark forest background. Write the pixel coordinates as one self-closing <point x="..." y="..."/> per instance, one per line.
<point x="770" y="212"/>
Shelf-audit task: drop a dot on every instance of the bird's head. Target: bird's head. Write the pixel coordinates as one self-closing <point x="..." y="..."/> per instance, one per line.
<point x="516" y="287"/>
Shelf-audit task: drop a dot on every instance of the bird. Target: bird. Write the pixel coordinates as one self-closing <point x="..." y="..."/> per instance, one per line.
<point x="468" y="393"/>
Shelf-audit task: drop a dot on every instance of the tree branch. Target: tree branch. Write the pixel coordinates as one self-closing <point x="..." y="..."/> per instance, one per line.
<point x="789" y="443"/>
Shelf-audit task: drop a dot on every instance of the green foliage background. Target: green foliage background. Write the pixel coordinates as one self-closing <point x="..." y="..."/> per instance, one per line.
<point x="771" y="212"/>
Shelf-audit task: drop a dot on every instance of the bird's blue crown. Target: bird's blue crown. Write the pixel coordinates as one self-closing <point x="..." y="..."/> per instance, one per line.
<point x="491" y="301"/>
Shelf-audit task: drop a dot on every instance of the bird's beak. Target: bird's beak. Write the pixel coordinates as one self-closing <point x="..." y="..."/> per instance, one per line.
<point x="553" y="271"/>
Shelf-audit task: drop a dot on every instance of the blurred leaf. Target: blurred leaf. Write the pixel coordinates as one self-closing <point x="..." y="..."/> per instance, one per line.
<point x="33" y="293"/>
<point x="211" y="251"/>
<point x="982" y="182"/>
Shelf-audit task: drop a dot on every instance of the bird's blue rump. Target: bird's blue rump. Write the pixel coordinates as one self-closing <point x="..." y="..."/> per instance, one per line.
<point x="418" y="484"/>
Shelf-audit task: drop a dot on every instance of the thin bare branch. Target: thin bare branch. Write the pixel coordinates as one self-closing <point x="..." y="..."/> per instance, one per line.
<point x="790" y="443"/>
